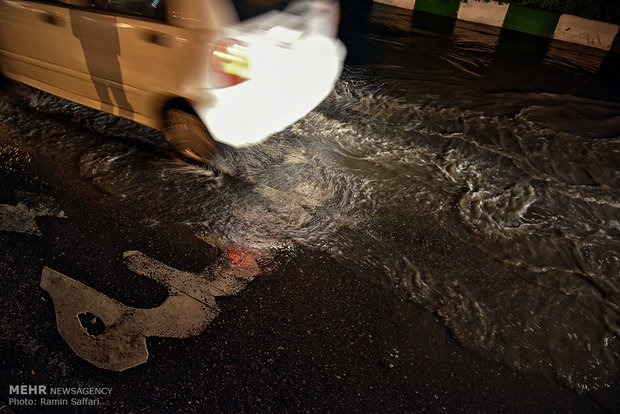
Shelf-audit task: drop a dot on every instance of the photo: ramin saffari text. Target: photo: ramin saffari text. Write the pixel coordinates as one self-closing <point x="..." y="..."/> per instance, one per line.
<point x="300" y="206"/>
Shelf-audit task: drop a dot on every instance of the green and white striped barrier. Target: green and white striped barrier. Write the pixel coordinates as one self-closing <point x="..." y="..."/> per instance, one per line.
<point x="563" y="27"/>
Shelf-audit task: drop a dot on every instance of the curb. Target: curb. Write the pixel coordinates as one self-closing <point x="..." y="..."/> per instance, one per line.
<point x="564" y="27"/>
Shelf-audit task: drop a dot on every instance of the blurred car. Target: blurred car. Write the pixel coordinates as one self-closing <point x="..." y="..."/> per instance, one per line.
<point x="232" y="71"/>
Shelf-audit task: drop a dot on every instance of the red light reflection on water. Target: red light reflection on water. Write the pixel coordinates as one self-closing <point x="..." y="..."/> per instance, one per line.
<point x="239" y="257"/>
<point x="245" y="264"/>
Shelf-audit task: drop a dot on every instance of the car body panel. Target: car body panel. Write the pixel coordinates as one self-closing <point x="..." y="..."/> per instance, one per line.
<point x="131" y="66"/>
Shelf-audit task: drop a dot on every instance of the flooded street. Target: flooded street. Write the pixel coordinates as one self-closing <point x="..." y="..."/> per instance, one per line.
<point x="465" y="173"/>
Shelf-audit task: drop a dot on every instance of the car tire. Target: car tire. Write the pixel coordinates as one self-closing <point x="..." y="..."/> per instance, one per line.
<point x="187" y="133"/>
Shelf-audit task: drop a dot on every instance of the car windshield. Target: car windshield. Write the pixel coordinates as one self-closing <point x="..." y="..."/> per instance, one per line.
<point x="247" y="9"/>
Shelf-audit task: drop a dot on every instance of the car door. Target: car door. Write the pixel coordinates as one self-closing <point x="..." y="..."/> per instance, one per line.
<point x="32" y="39"/>
<point x="94" y="49"/>
<point x="158" y="59"/>
<point x="127" y="55"/>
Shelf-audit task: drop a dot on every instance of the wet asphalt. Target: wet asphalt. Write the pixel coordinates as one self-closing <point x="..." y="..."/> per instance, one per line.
<point x="306" y="335"/>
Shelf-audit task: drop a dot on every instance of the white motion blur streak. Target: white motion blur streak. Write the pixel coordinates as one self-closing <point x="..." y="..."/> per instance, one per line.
<point x="291" y="72"/>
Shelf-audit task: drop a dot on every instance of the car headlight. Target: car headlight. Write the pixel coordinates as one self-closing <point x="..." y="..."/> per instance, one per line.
<point x="230" y="63"/>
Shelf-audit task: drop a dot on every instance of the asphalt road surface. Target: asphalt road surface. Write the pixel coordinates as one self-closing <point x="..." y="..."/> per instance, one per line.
<point x="440" y="235"/>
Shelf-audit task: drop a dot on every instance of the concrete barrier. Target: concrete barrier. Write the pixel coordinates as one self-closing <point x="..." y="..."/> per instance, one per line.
<point x="562" y="27"/>
<point x="491" y="13"/>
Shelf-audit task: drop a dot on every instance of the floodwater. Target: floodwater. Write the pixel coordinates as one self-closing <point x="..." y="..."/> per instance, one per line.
<point x="468" y="173"/>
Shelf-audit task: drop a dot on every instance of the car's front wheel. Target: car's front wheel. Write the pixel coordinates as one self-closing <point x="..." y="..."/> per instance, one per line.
<point x="188" y="135"/>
